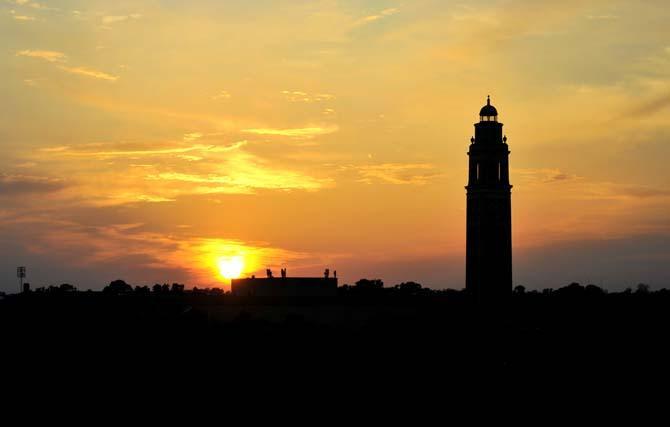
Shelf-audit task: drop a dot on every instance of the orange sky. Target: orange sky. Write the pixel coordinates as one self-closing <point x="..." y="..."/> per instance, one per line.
<point x="146" y="140"/>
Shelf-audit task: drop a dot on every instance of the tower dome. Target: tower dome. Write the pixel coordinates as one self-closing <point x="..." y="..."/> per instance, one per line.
<point x="488" y="113"/>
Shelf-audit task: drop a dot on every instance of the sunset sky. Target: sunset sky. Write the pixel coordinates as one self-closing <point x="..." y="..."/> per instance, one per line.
<point x="154" y="140"/>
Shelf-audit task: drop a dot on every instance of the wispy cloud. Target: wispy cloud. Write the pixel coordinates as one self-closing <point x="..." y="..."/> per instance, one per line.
<point x="31" y="4"/>
<point x="222" y="94"/>
<point x="396" y="173"/>
<point x="114" y="19"/>
<point x="249" y="177"/>
<point x="23" y="18"/>
<point x="577" y="187"/>
<point x="83" y="71"/>
<point x="153" y="199"/>
<point x="602" y="17"/>
<point x="47" y="55"/>
<point x="108" y="151"/>
<point x="12" y="185"/>
<point x="542" y="175"/>
<point x="384" y="13"/>
<point x="299" y="96"/>
<point x="306" y="132"/>
<point x="192" y="136"/>
<point x="164" y="172"/>
<point x="244" y="174"/>
<point x="59" y="57"/>
<point x="649" y="107"/>
<point x="643" y="192"/>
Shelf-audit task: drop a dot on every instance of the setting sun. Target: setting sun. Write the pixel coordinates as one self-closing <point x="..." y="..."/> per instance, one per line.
<point x="230" y="267"/>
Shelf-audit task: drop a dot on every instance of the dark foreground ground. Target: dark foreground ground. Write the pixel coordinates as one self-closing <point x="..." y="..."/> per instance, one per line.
<point x="426" y="335"/>
<point x="380" y="353"/>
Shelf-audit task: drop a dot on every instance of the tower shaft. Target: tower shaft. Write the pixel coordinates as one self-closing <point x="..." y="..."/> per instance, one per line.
<point x="489" y="212"/>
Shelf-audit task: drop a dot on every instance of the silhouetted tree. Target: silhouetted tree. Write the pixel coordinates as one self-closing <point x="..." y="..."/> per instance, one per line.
<point x="366" y="284"/>
<point x="177" y="288"/>
<point x="364" y="287"/>
<point x="642" y="289"/>
<point x="157" y="289"/>
<point x="519" y="290"/>
<point x="408" y="288"/>
<point x="66" y="287"/>
<point x="593" y="291"/>
<point x="117" y="287"/>
<point x="573" y="290"/>
<point x="142" y="290"/>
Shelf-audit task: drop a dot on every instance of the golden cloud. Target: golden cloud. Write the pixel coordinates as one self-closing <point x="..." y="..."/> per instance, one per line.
<point x="136" y="151"/>
<point x="245" y="173"/>
<point x="299" y="96"/>
<point x="113" y="19"/>
<point x="113" y="175"/>
<point x="59" y="57"/>
<point x="83" y="71"/>
<point x="384" y="13"/>
<point x="47" y="55"/>
<point x="306" y="132"/>
<point x="23" y="18"/>
<point x="222" y="94"/>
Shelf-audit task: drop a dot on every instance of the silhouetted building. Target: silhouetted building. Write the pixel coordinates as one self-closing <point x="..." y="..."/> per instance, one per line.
<point x="285" y="286"/>
<point x="489" y="212"/>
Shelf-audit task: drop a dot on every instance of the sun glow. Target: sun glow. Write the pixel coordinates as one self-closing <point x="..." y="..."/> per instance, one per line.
<point x="230" y="267"/>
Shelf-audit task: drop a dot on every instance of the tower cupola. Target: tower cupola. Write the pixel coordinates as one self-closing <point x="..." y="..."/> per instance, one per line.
<point x="488" y="113"/>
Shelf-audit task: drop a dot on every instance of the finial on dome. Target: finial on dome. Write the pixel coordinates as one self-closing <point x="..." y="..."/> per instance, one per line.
<point x="488" y="111"/>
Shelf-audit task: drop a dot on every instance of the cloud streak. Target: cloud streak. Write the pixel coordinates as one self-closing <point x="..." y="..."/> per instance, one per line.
<point x="14" y="185"/>
<point x="46" y="55"/>
<point x="59" y="59"/>
<point x="306" y="132"/>
<point x="650" y="107"/>
<point x="87" y="72"/>
<point x="376" y="17"/>
<point x="23" y="18"/>
<point x="299" y="96"/>
<point x="396" y="173"/>
<point x="113" y="19"/>
<point x="222" y="94"/>
<point x="133" y="152"/>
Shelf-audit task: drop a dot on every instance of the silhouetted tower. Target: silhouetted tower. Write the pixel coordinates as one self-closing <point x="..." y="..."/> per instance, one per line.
<point x="488" y="274"/>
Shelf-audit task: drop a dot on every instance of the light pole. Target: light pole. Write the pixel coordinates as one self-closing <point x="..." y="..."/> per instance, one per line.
<point x="21" y="274"/>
